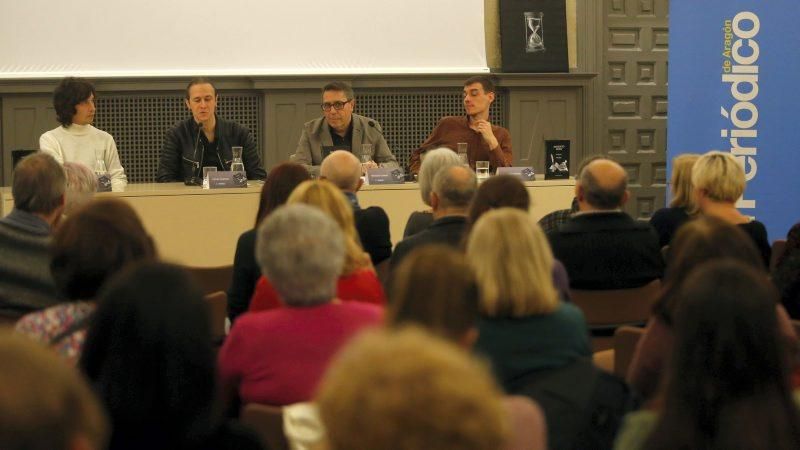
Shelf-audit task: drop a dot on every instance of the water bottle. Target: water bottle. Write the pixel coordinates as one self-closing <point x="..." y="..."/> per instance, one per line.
<point x="103" y="178"/>
<point x="237" y="167"/>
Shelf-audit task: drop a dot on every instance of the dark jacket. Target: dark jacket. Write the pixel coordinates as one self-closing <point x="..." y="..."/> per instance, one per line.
<point x="448" y="230"/>
<point x="178" y="156"/>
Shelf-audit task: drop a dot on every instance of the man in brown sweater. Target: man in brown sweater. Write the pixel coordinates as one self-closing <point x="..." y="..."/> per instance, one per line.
<point x="485" y="142"/>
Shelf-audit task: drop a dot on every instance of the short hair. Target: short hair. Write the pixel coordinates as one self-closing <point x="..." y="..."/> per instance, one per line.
<point x="525" y="286"/>
<point x="301" y="251"/>
<point x="199" y="80"/>
<point x="498" y="192"/>
<point x="330" y="200"/>
<point x="280" y="183"/>
<point x="70" y="92"/>
<point x="600" y="196"/>
<point x="341" y="86"/>
<point x="407" y="390"/>
<point x="449" y="307"/>
<point x="149" y="355"/>
<point x="720" y="176"/>
<point x="455" y="186"/>
<point x="432" y="162"/>
<point x="95" y="243"/>
<point x="681" y="180"/>
<point x="39" y="184"/>
<point x="341" y="168"/>
<point x="485" y="82"/>
<point x="81" y="186"/>
<point x="44" y="404"/>
<point x="588" y="160"/>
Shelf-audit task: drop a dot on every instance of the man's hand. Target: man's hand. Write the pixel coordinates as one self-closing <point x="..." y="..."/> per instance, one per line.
<point x="368" y="165"/>
<point x="485" y="129"/>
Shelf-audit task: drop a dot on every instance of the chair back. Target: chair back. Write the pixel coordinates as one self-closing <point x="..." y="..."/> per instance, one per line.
<point x="212" y="279"/>
<point x="778" y="247"/>
<point x="217" y="304"/>
<point x="267" y="422"/>
<point x="609" y="309"/>
<point x="625" y="340"/>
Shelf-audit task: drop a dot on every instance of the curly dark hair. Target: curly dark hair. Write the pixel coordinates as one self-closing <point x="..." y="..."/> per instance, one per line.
<point x="69" y="92"/>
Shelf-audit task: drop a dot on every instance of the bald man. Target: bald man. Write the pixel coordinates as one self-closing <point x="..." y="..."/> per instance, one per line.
<point x="343" y="169"/>
<point x="601" y="246"/>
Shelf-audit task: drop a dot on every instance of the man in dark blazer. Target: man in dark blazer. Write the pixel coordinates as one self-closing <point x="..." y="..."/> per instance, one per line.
<point x="601" y="246"/>
<point x="343" y="169"/>
<point x="453" y="189"/>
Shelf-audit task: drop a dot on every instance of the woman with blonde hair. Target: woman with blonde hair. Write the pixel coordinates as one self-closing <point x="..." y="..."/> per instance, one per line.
<point x="525" y="327"/>
<point x="682" y="207"/>
<point x="358" y="281"/>
<point x="719" y="182"/>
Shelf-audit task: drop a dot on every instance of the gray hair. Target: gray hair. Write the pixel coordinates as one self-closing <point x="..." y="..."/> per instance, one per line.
<point x="39" y="184"/>
<point x="301" y="251"/>
<point x="341" y="168"/>
<point x="432" y="162"/>
<point x="455" y="186"/>
<point x="81" y="185"/>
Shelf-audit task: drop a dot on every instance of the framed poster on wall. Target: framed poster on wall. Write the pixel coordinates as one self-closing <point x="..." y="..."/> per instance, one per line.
<point x="533" y="35"/>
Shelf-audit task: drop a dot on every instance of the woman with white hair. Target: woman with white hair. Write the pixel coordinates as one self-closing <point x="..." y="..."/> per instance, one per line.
<point x="432" y="162"/>
<point x="81" y="186"/>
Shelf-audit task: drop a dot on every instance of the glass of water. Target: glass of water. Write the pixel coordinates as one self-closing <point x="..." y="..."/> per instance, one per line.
<point x="482" y="170"/>
<point x="206" y="170"/>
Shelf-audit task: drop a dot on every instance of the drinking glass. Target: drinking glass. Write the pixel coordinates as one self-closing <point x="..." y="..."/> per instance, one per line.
<point x="462" y="153"/>
<point x="482" y="170"/>
<point x="206" y="170"/>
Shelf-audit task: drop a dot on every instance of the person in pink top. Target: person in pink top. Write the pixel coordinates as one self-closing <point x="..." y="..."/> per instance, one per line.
<point x="276" y="357"/>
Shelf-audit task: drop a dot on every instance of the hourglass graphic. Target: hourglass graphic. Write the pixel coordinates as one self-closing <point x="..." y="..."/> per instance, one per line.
<point x="534" y="32"/>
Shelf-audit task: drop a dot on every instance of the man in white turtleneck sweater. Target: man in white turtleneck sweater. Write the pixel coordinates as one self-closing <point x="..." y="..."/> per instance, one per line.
<point x="76" y="139"/>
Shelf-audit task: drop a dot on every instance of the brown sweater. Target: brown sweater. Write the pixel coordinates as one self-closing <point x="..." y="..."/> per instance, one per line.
<point x="454" y="129"/>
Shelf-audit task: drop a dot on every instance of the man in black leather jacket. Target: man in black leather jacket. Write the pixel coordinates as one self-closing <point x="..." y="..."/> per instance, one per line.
<point x="205" y="140"/>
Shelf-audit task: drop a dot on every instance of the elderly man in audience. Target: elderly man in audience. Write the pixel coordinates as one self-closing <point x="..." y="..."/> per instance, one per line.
<point x="81" y="186"/>
<point x="25" y="281"/>
<point x="277" y="356"/>
<point x="343" y="169"/>
<point x="434" y="161"/>
<point x="453" y="189"/>
<point x="601" y="246"/>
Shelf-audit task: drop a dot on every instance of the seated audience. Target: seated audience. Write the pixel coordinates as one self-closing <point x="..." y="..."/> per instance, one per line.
<point x="719" y="182"/>
<point x="26" y="284"/>
<point x="357" y="281"/>
<point x="407" y="390"/>
<point x="601" y="246"/>
<point x="682" y="207"/>
<point x="697" y="242"/>
<point x="343" y="169"/>
<point x="88" y="248"/>
<point x="149" y="357"/>
<point x="786" y="274"/>
<point x="524" y="326"/>
<point x="45" y="405"/>
<point x="553" y="220"/>
<point x="728" y="382"/>
<point x="449" y="309"/>
<point x="276" y="357"/>
<point x="280" y="183"/>
<point x="453" y="189"/>
<point x="81" y="186"/>
<point x="433" y="161"/>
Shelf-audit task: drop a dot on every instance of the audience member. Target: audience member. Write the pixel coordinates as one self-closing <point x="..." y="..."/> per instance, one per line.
<point x="75" y="139"/>
<point x="719" y="182"/>
<point x="81" y="263"/>
<point x="81" y="186"/>
<point x="44" y="404"/>
<point x="343" y="169"/>
<point x="601" y="246"/>
<point x="432" y="162"/>
<point x="485" y="142"/>
<point x="276" y="357"/>
<point x="406" y="390"/>
<point x="205" y="139"/>
<point x="697" y="242"/>
<point x="280" y="183"/>
<point x="357" y="280"/>
<point x="453" y="189"/>
<point x="727" y="386"/>
<point x="551" y="221"/>
<point x="25" y="282"/>
<point x="682" y="207"/>
<point x="149" y="356"/>
<point x="786" y="274"/>
<point x="340" y="129"/>
<point x="450" y="310"/>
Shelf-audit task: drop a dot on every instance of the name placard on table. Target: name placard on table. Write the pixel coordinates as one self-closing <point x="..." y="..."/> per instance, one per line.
<point x="226" y="179"/>
<point x="524" y="173"/>
<point x="385" y="175"/>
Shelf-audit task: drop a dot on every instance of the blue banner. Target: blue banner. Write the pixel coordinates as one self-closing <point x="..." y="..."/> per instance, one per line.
<point x="734" y="77"/>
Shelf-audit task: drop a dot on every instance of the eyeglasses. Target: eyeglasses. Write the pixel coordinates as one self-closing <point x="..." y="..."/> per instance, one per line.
<point x="335" y="105"/>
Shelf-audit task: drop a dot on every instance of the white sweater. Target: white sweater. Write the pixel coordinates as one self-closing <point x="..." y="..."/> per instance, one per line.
<point x="85" y="144"/>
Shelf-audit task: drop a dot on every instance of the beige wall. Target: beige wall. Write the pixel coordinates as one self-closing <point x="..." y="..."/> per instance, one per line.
<point x="492" y="24"/>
